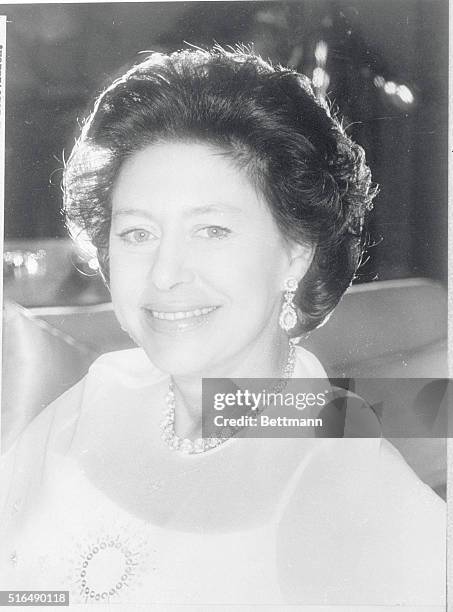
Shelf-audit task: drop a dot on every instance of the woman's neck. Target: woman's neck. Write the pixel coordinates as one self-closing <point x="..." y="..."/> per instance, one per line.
<point x="257" y="362"/>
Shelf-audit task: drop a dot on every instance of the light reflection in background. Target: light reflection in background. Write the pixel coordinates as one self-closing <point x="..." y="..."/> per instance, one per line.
<point x="403" y="92"/>
<point x="321" y="79"/>
<point x="24" y="263"/>
<point x="321" y="51"/>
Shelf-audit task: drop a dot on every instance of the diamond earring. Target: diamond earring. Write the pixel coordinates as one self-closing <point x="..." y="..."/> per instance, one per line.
<point x="288" y="314"/>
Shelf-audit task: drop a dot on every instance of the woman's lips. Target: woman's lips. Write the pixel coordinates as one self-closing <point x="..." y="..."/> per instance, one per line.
<point x="178" y="320"/>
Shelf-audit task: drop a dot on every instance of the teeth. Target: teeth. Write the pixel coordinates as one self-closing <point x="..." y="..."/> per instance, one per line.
<point x="173" y="316"/>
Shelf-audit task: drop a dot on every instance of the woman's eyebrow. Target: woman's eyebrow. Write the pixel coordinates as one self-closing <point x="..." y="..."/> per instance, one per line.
<point x="142" y="212"/>
<point x="189" y="212"/>
<point x="216" y="208"/>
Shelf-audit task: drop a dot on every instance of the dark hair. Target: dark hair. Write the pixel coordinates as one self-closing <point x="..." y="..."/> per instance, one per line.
<point x="268" y="119"/>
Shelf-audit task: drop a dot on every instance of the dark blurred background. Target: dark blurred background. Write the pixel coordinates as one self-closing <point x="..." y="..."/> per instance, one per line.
<point x="383" y="64"/>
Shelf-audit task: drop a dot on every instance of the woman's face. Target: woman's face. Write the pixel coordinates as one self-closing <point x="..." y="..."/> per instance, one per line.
<point x="197" y="264"/>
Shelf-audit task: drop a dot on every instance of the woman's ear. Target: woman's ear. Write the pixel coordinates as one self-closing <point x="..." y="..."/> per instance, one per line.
<point x="301" y="256"/>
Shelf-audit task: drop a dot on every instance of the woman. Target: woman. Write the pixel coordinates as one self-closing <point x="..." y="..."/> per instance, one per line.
<point x="227" y="209"/>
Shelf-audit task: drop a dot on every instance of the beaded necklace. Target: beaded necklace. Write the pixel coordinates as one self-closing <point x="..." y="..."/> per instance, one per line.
<point x="201" y="445"/>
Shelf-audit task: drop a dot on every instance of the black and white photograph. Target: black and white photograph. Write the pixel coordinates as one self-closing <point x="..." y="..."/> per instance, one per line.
<point x="224" y="379"/>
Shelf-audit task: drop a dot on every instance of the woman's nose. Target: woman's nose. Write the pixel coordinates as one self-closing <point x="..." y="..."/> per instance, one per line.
<point x="170" y="265"/>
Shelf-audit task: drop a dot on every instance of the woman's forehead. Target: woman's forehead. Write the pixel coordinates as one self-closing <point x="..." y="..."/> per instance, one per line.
<point x="195" y="177"/>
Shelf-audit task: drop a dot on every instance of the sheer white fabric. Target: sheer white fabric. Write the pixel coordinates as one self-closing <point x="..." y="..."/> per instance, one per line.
<point x="94" y="501"/>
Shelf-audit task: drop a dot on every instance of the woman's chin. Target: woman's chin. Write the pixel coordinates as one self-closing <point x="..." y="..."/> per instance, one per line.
<point x="178" y="362"/>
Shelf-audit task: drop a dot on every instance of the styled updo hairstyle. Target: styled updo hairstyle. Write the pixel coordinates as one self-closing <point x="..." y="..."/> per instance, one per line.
<point x="314" y="178"/>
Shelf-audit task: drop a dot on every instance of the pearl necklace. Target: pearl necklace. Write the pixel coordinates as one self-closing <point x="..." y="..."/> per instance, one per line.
<point x="201" y="445"/>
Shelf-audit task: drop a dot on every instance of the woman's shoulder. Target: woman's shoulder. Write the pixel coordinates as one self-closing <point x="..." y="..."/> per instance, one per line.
<point x="59" y="415"/>
<point x="360" y="500"/>
<point x="51" y="432"/>
<point x="24" y="464"/>
<point x="54" y="425"/>
<point x="400" y="483"/>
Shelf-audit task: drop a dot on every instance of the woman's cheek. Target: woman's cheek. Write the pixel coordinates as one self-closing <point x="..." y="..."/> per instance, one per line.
<point x="128" y="279"/>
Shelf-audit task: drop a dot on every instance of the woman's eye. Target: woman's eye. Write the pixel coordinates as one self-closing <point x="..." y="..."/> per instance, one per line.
<point x="214" y="231"/>
<point x="136" y="236"/>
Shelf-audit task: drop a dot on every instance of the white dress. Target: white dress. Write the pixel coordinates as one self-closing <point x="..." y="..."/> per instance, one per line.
<point x="94" y="502"/>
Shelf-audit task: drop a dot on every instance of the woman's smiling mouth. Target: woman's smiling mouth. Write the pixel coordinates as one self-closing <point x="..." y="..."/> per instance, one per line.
<point x="175" y="321"/>
<point x="182" y="314"/>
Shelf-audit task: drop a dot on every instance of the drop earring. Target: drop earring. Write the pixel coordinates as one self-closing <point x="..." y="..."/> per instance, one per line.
<point x="288" y="314"/>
